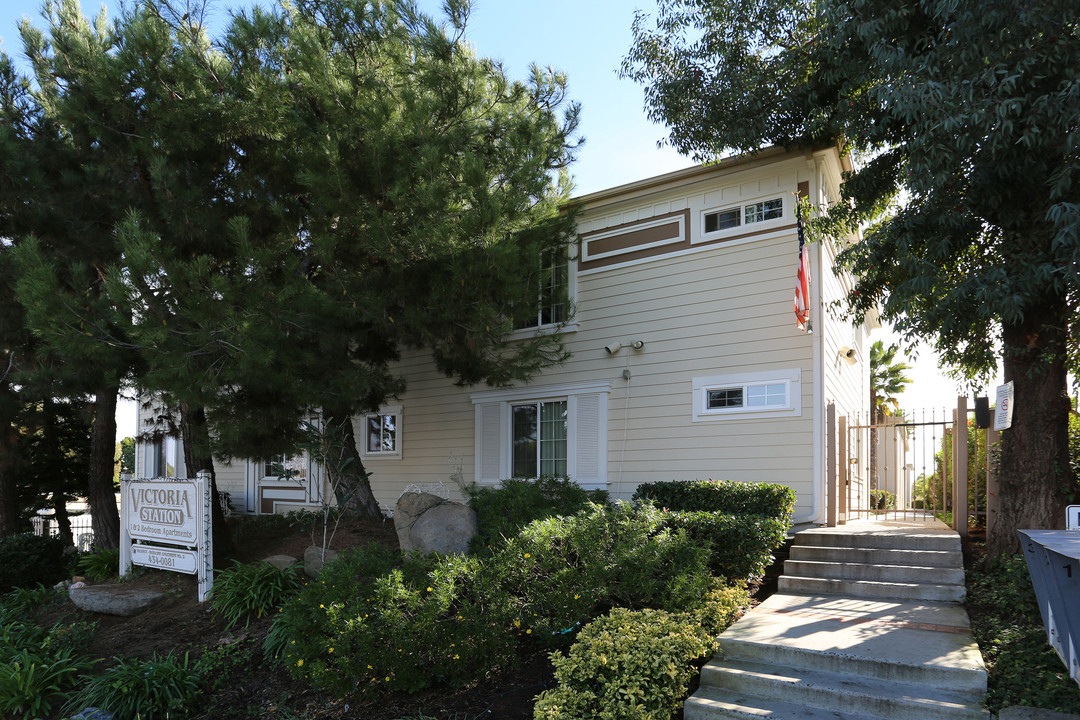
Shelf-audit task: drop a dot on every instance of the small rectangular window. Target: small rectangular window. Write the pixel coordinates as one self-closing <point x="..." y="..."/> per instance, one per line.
<point x="382" y="433"/>
<point x="722" y="220"/>
<point x="765" y="210"/>
<point x="766" y="395"/>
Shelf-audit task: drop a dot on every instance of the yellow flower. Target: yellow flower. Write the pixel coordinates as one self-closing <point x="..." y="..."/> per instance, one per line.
<point x="456" y="657"/>
<point x="322" y="606"/>
<point x="293" y="642"/>
<point x="370" y="668"/>
<point x="527" y="555"/>
<point x="387" y="678"/>
<point x="429" y="589"/>
<point x="528" y="632"/>
<point x="576" y="597"/>
<point x="331" y="649"/>
<point x="517" y="623"/>
<point x="300" y="662"/>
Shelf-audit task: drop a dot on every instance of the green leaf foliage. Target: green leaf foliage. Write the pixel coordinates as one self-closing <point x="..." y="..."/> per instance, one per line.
<point x="32" y="683"/>
<point x="258" y="589"/>
<point x="726" y="496"/>
<point x="626" y="665"/>
<point x="31" y="560"/>
<point x="966" y="110"/>
<point x="152" y="689"/>
<point x="741" y="546"/>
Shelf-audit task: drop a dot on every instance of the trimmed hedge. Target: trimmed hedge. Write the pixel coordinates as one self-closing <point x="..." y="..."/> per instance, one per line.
<point x="726" y="496"/>
<point x="742" y="545"/>
<point x="30" y="560"/>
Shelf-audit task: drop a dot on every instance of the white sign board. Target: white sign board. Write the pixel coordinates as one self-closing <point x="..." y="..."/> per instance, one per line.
<point x="1072" y="517"/>
<point x="163" y="511"/>
<point x="181" y="561"/>
<point x="166" y="524"/>
<point x="1004" y="407"/>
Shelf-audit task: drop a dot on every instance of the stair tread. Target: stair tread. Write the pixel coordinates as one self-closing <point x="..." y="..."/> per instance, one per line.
<point x="847" y="684"/>
<point x="710" y="703"/>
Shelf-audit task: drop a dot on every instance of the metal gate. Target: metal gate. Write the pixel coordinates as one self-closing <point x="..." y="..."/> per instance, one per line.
<point x="908" y="467"/>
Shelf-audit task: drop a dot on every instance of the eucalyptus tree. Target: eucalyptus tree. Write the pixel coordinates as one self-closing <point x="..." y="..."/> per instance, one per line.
<point x="972" y="109"/>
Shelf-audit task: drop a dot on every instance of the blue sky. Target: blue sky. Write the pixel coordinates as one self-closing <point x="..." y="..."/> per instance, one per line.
<point x="584" y="38"/>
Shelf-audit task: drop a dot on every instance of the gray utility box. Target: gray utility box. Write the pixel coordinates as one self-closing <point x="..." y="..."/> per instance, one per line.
<point x="1053" y="557"/>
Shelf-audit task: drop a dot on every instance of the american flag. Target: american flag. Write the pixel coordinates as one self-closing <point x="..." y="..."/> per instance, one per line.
<point x="802" y="279"/>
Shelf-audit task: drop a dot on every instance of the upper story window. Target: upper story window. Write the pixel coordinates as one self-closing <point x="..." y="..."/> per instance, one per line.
<point x="554" y="290"/>
<point x="748" y="214"/>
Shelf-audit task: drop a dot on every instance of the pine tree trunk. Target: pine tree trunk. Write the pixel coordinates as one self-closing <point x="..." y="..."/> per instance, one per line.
<point x="1034" y="452"/>
<point x="9" y="492"/>
<point x="101" y="493"/>
<point x="354" y="493"/>
<point x="197" y="458"/>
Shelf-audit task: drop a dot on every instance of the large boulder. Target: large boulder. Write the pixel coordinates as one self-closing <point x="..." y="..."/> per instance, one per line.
<point x="115" y="599"/>
<point x="428" y="523"/>
<point x="314" y="560"/>
<point x="281" y="562"/>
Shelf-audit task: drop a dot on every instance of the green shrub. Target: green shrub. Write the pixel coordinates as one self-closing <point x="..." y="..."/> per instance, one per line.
<point x="375" y="622"/>
<point x="76" y="637"/>
<point x="882" y="500"/>
<point x="31" y="560"/>
<point x="21" y="603"/>
<point x="632" y="665"/>
<point x="1022" y="667"/>
<point x="254" y="589"/>
<point x="564" y="571"/>
<point x="726" y="496"/>
<point x="741" y="545"/>
<point x="32" y="682"/>
<point x="100" y="565"/>
<point x="160" y="687"/>
<point x="501" y="512"/>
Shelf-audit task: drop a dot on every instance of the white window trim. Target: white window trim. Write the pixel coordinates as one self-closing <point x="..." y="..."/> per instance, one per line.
<point x="786" y="217"/>
<point x="394" y="410"/>
<point x="570" y="325"/>
<point x="790" y="378"/>
<point x="502" y="400"/>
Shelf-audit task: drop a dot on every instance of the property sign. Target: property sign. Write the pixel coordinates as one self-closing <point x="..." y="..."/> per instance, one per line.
<point x="163" y="511"/>
<point x="166" y="524"/>
<point x="181" y="561"/>
<point x="1003" y="416"/>
<point x="1072" y="517"/>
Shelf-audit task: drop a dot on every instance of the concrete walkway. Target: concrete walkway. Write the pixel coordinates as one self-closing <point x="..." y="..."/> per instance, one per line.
<point x="867" y="624"/>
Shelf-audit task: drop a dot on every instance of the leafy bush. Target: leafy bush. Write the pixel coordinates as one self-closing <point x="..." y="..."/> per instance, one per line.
<point x="742" y="545"/>
<point x="501" y="512"/>
<point x="257" y="588"/>
<point x="32" y="682"/>
<point x="31" y="560"/>
<point x="882" y="500"/>
<point x="144" y="689"/>
<point x="100" y="565"/>
<point x="726" y="496"/>
<point x="1023" y="669"/>
<point x="20" y="603"/>
<point x="564" y="571"/>
<point x="632" y="665"/>
<point x="377" y="622"/>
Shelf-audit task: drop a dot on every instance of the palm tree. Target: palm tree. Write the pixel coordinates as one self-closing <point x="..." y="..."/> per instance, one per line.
<point x="887" y="380"/>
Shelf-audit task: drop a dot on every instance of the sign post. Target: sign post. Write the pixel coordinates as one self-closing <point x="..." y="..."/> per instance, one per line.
<point x="166" y="523"/>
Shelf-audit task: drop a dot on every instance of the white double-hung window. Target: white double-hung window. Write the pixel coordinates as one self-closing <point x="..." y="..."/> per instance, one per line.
<point x="543" y="430"/>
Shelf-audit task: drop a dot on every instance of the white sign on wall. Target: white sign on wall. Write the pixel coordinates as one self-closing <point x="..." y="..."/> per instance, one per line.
<point x="166" y="524"/>
<point x="1072" y="517"/>
<point x="1004" y="407"/>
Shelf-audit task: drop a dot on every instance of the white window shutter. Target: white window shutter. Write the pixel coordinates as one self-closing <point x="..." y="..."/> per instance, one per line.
<point x="488" y="443"/>
<point x="588" y="433"/>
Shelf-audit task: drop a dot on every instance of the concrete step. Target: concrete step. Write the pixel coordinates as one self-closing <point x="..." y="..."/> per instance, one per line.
<point x="871" y="589"/>
<point x="880" y="572"/>
<point x="712" y="704"/>
<point x="916" y="643"/>
<point x="886" y="556"/>
<point x="875" y="537"/>
<point x="842" y="691"/>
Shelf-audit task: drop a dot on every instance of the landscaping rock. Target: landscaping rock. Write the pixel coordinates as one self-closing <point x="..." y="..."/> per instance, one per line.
<point x="92" y="713"/>
<point x="428" y="523"/>
<point x="281" y="562"/>
<point x="313" y="560"/>
<point x="122" y="600"/>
